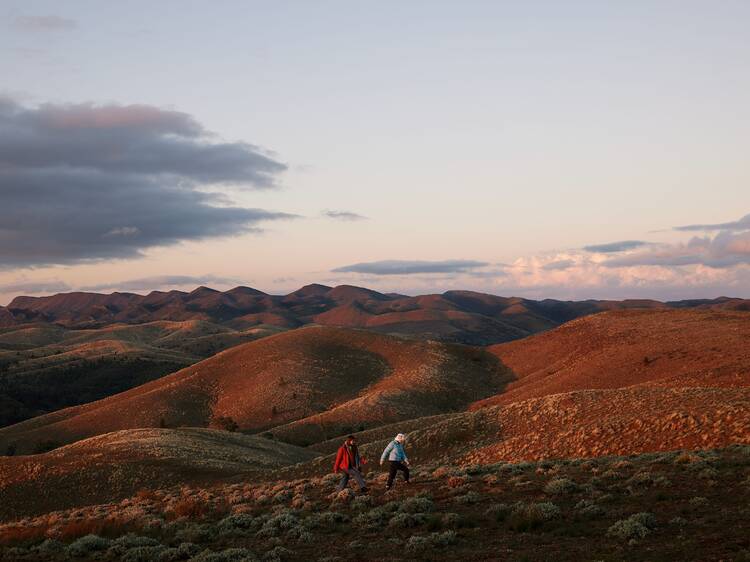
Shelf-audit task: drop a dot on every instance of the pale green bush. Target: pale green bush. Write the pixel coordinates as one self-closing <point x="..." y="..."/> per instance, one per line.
<point x="88" y="544"/>
<point x="635" y="527"/>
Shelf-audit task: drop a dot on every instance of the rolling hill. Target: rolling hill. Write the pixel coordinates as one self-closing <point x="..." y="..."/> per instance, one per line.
<point x="73" y="348"/>
<point x="45" y="367"/>
<point x="676" y="348"/>
<point x="456" y="316"/>
<point x="308" y="384"/>
<point x="117" y="465"/>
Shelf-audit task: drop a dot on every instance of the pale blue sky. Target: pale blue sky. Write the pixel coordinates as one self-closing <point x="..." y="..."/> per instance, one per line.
<point x="502" y="132"/>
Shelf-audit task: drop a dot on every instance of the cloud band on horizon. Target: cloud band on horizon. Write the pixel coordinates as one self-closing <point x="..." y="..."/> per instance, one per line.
<point x="410" y="267"/>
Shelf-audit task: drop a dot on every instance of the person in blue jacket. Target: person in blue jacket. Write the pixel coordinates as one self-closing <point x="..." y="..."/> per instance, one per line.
<point x="396" y="455"/>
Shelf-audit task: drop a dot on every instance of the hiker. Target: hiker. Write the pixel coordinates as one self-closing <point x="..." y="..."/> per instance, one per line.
<point x="350" y="464"/>
<point x="396" y="455"/>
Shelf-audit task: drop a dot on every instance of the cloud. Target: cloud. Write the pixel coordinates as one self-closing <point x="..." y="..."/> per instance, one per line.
<point x="44" y="23"/>
<point x="86" y="182"/>
<point x="742" y="224"/>
<point x="410" y="267"/>
<point x="558" y="265"/>
<point x="162" y="281"/>
<point x="343" y="215"/>
<point x="725" y="249"/>
<point x="613" y="247"/>
<point x="34" y="287"/>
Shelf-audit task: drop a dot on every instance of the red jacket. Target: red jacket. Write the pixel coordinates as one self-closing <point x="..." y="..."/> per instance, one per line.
<point x="346" y="458"/>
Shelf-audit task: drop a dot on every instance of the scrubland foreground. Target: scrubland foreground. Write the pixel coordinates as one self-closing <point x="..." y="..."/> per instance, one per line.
<point x="659" y="506"/>
<point x="618" y="436"/>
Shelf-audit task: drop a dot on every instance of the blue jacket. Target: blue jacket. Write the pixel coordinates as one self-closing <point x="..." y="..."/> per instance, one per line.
<point x="394" y="452"/>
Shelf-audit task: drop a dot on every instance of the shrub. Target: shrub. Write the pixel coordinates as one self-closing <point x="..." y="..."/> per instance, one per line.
<point x="499" y="511"/>
<point x="147" y="495"/>
<point x="190" y="508"/>
<point x="633" y="528"/>
<point x="708" y="473"/>
<point x="278" y="524"/>
<point x="236" y="523"/>
<point x="416" y="505"/>
<point x="698" y="501"/>
<point x="455" y="481"/>
<point x="51" y="547"/>
<point x="361" y="503"/>
<point x="143" y="553"/>
<point x="373" y="519"/>
<point x="225" y="422"/>
<point x="228" y="555"/>
<point x="418" y="543"/>
<point x="278" y="554"/>
<point x="187" y="549"/>
<point x="468" y="497"/>
<point x="560" y="486"/>
<point x="126" y="542"/>
<point x="443" y="471"/>
<point x="529" y="516"/>
<point x="282" y="496"/>
<point x="490" y="479"/>
<point x="88" y="544"/>
<point x="193" y="533"/>
<point x="678" y="521"/>
<point x="612" y="475"/>
<point x="325" y="520"/>
<point x="407" y="520"/>
<point x="589" y="509"/>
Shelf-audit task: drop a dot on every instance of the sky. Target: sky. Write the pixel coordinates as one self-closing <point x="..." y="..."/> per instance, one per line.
<point x="543" y="149"/>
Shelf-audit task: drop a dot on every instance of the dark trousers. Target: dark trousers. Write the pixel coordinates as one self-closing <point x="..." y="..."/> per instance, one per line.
<point x="395" y="467"/>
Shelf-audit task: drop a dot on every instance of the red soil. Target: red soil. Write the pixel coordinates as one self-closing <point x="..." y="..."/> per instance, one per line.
<point x="675" y="348"/>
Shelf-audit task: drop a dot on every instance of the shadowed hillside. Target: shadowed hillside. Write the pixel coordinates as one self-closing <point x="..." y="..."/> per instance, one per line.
<point x="45" y="367"/>
<point x="310" y="384"/>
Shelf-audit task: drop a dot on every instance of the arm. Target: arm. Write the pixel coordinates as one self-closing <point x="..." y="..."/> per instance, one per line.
<point x="339" y="455"/>
<point x="386" y="451"/>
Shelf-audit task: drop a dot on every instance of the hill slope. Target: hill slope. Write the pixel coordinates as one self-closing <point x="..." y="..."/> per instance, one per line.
<point x="45" y="367"/>
<point x="325" y="380"/>
<point x="118" y="464"/>
<point x="677" y="348"/>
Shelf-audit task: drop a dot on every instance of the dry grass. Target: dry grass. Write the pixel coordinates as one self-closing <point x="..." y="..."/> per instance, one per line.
<point x="20" y="534"/>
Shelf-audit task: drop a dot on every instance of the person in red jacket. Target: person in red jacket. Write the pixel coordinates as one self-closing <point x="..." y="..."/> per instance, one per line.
<point x="349" y="463"/>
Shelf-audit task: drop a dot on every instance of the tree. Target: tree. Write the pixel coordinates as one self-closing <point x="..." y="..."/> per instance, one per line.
<point x="226" y="423"/>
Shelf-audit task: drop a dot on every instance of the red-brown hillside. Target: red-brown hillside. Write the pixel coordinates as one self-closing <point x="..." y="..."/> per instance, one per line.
<point x="676" y="348"/>
<point x="354" y="377"/>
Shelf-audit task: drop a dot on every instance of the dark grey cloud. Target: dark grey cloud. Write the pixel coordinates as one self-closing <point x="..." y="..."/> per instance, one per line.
<point x="343" y="215"/>
<point x="85" y="182"/>
<point x="162" y="281"/>
<point x="614" y="247"/>
<point x="742" y="224"/>
<point x="558" y="265"/>
<point x="44" y="23"/>
<point x="726" y="249"/>
<point x="34" y="287"/>
<point x="409" y="267"/>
